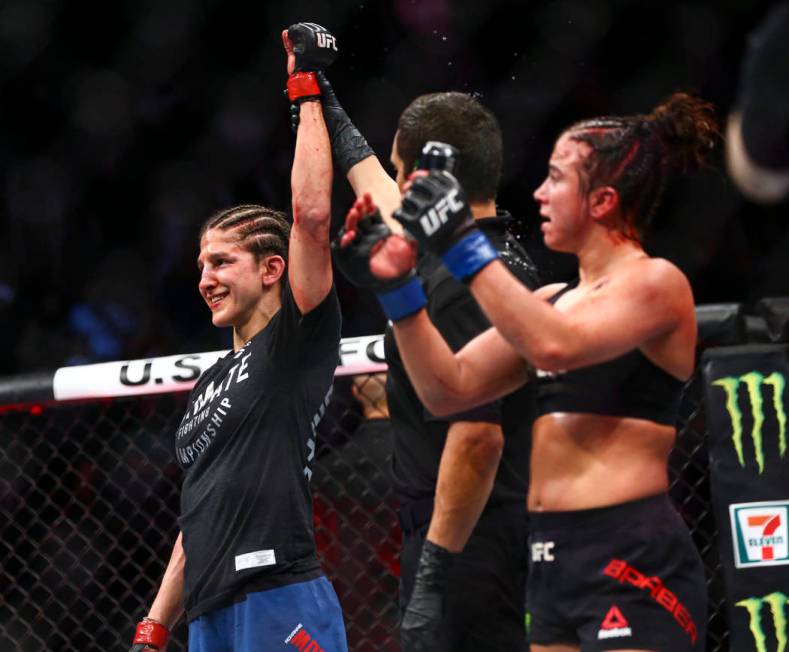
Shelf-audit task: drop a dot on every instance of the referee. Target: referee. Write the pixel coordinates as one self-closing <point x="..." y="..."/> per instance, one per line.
<point x="461" y="481"/>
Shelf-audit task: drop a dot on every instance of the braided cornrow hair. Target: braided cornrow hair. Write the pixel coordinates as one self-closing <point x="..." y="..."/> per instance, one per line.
<point x="261" y="231"/>
<point x="636" y="154"/>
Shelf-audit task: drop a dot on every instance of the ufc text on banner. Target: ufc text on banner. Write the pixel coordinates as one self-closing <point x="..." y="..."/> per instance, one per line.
<point x="746" y="398"/>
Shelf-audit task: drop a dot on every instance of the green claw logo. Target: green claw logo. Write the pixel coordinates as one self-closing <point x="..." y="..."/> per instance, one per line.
<point x="776" y="605"/>
<point x="755" y="383"/>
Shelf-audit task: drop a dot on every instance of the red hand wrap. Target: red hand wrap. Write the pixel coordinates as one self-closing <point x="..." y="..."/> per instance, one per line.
<point x="149" y="632"/>
<point x="302" y="86"/>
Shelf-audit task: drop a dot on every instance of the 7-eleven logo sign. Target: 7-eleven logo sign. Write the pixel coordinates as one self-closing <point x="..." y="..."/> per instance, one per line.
<point x="760" y="533"/>
<point x="614" y="625"/>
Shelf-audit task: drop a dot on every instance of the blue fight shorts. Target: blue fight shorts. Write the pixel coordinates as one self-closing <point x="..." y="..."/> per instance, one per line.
<point x="305" y="616"/>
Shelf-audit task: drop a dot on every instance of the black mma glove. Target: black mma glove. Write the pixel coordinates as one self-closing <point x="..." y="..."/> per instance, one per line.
<point x="315" y="48"/>
<point x="151" y="634"/>
<point x="420" y="629"/>
<point x="399" y="297"/>
<point x="436" y="213"/>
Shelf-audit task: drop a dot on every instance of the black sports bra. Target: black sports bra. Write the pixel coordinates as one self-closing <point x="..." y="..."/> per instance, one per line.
<point x="628" y="386"/>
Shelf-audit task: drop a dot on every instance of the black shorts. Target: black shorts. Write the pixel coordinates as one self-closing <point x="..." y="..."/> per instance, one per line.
<point x="484" y="607"/>
<point x="626" y="576"/>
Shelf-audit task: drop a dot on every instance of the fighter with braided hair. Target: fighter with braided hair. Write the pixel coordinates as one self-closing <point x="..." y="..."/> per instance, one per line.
<point x="612" y="564"/>
<point x="244" y="567"/>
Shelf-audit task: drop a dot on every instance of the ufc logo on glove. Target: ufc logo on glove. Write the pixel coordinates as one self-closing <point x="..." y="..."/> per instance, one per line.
<point x="436" y="216"/>
<point x="325" y="40"/>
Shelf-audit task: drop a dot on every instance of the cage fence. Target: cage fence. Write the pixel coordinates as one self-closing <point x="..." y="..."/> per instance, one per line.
<point x="89" y="500"/>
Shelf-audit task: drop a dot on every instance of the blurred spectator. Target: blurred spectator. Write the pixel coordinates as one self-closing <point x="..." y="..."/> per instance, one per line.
<point x="758" y="131"/>
<point x="370" y="391"/>
<point x="357" y="468"/>
<point x="114" y="319"/>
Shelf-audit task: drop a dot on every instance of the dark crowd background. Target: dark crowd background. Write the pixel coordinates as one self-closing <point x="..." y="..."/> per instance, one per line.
<point x="123" y="125"/>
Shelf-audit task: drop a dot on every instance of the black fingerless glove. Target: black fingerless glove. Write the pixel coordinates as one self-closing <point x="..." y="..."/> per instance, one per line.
<point x="399" y="297"/>
<point x="315" y="47"/>
<point x="420" y="629"/>
<point x="436" y="213"/>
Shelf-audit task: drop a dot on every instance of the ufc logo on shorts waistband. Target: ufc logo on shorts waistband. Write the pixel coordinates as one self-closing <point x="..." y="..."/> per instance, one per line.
<point x="542" y="551"/>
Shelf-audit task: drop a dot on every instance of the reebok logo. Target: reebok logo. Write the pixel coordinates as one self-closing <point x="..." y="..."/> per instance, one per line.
<point x="302" y="641"/>
<point x="614" y="625"/>
<point x="624" y="573"/>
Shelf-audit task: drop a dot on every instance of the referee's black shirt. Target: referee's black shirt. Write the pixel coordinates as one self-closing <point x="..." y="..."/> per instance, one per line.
<point x="419" y="436"/>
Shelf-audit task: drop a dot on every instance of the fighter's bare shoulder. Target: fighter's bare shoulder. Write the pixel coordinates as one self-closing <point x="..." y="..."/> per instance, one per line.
<point x="547" y="291"/>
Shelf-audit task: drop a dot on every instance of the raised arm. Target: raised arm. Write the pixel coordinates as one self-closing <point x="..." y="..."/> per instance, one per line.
<point x="599" y="330"/>
<point x="310" y="272"/>
<point x="369" y="177"/>
<point x="370" y="256"/>
<point x="309" y="266"/>
<point x="485" y="369"/>
<point x="356" y="158"/>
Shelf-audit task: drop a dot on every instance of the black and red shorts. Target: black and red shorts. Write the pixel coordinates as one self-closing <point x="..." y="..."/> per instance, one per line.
<point x="620" y="577"/>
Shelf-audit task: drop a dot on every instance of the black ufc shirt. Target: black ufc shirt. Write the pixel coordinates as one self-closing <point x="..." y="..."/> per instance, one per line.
<point x="246" y="445"/>
<point x="419" y="436"/>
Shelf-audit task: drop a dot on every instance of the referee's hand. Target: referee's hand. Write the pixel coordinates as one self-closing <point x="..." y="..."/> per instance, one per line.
<point x="368" y="254"/>
<point x="420" y="630"/>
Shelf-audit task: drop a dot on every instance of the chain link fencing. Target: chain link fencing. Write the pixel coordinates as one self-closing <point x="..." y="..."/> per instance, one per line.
<point x="89" y="499"/>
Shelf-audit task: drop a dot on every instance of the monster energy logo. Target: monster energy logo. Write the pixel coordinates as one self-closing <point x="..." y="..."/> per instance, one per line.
<point x="754" y="383"/>
<point x="777" y="606"/>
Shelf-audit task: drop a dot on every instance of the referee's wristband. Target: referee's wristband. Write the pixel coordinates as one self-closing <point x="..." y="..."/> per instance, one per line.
<point x="403" y="301"/>
<point x="469" y="255"/>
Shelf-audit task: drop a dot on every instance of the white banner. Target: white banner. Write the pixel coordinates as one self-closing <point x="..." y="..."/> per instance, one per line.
<point x="176" y="373"/>
<point x="361" y="355"/>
